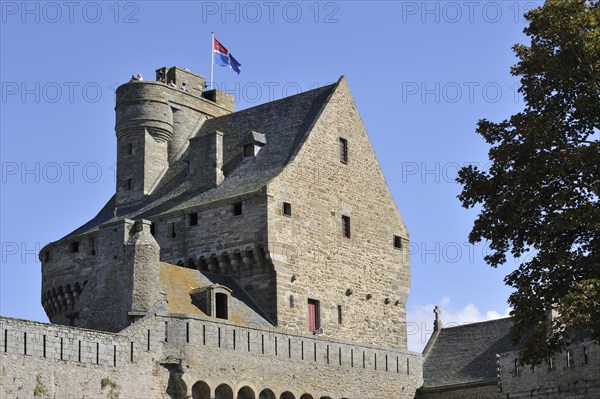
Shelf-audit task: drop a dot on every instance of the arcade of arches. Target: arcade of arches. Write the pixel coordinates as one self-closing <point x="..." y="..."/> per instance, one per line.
<point x="201" y="390"/>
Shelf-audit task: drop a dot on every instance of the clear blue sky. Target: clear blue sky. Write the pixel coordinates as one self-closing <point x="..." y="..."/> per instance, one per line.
<point x="422" y="74"/>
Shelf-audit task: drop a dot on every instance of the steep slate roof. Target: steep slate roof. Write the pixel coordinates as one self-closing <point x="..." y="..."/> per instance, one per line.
<point x="466" y="353"/>
<point x="285" y="124"/>
<point x="177" y="282"/>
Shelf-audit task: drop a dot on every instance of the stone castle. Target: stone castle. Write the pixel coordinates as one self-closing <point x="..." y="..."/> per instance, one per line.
<point x="255" y="254"/>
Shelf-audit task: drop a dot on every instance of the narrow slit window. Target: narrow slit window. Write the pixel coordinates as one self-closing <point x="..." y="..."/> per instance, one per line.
<point x="314" y="322"/>
<point x="194" y="219"/>
<point x="346" y="226"/>
<point x="343" y="150"/>
<point x="130" y="149"/>
<point x="128" y="184"/>
<point x="287" y="209"/>
<point x="173" y="233"/>
<point x="339" y="309"/>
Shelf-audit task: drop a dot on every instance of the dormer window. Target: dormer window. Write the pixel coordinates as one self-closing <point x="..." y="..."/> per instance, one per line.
<point x="248" y="150"/>
<point x="213" y="300"/>
<point x="252" y="144"/>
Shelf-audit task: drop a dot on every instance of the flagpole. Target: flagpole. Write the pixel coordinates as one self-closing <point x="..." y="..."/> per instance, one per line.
<point x="212" y="58"/>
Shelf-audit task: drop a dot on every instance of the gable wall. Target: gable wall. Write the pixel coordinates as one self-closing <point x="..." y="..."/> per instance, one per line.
<point x="314" y="260"/>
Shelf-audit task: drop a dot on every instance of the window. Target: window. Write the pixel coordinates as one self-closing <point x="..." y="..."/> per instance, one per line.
<point x="194" y="219"/>
<point x="75" y="246"/>
<point x="248" y="150"/>
<point x="237" y="208"/>
<point x="287" y="209"/>
<point x="173" y="233"/>
<point x="314" y="322"/>
<point x="130" y="149"/>
<point x="343" y="150"/>
<point x="128" y="184"/>
<point x="346" y="226"/>
<point x="339" y="314"/>
<point x="221" y="306"/>
<point x="398" y="242"/>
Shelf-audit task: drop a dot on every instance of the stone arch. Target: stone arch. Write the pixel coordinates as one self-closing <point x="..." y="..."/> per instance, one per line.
<point x="223" y="391"/>
<point x="200" y="390"/>
<point x="266" y="394"/>
<point x="306" y="396"/>
<point x="246" y="393"/>
<point x="287" y="395"/>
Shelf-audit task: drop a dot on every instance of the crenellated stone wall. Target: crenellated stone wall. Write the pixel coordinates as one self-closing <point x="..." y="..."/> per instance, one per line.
<point x="165" y="356"/>
<point x="571" y="374"/>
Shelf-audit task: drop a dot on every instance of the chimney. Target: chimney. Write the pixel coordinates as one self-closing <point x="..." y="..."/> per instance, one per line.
<point x="206" y="160"/>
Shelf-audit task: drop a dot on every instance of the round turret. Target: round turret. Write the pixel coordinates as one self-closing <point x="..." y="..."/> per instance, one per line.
<point x="144" y="127"/>
<point x="143" y="105"/>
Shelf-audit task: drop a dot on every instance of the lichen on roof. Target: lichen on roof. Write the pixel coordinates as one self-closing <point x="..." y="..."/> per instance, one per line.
<point x="178" y="282"/>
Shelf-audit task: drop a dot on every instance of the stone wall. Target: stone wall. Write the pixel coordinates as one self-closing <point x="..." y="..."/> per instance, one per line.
<point x="66" y="272"/>
<point x="475" y="390"/>
<point x="220" y="242"/>
<point x="572" y="374"/>
<point x="365" y="276"/>
<point x="223" y="242"/>
<point x="50" y="361"/>
<point x="165" y="356"/>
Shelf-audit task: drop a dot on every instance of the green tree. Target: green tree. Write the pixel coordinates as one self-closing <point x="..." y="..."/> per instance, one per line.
<point x="539" y="199"/>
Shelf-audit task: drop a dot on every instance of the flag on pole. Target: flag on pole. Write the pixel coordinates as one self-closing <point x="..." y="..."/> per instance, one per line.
<point x="223" y="57"/>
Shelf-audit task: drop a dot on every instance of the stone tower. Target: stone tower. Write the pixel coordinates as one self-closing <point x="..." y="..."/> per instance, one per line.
<point x="153" y="126"/>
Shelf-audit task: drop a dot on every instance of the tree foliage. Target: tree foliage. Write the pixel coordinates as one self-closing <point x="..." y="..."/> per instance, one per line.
<point x="540" y="197"/>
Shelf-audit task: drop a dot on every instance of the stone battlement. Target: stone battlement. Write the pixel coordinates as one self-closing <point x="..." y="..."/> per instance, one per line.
<point x="170" y="339"/>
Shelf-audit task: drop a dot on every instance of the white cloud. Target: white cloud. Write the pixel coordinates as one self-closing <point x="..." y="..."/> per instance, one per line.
<point x="420" y="320"/>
